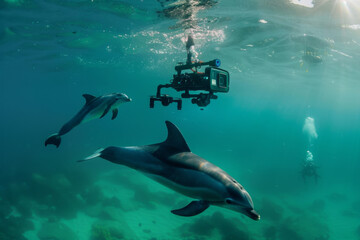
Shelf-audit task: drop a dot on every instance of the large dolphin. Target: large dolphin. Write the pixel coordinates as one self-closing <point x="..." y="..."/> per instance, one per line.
<point x="95" y="107"/>
<point x="172" y="164"/>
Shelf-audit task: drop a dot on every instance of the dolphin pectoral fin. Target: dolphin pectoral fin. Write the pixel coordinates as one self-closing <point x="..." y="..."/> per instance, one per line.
<point x="92" y="156"/>
<point x="115" y="113"/>
<point x="88" y="98"/>
<point x="192" y="209"/>
<point x="106" y="111"/>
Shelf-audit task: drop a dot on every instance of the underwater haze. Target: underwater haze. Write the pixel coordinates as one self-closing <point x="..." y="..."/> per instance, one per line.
<point x="288" y="130"/>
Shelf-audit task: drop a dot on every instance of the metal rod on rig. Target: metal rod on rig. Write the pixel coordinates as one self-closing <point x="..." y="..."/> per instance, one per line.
<point x="189" y="44"/>
<point x="212" y="63"/>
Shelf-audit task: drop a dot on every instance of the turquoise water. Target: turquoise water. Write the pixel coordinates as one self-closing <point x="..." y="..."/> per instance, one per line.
<point x="288" y="60"/>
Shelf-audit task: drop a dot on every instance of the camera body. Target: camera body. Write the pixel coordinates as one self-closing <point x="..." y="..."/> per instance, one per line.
<point x="212" y="80"/>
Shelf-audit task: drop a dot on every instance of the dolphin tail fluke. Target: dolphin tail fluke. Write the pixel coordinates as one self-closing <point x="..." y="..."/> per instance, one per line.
<point x="54" y="139"/>
<point x="92" y="156"/>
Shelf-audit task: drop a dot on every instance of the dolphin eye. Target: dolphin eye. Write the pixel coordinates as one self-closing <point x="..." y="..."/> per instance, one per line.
<point x="228" y="201"/>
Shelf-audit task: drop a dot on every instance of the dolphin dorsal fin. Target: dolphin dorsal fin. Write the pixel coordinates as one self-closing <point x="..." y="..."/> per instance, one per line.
<point x="88" y="97"/>
<point x="175" y="139"/>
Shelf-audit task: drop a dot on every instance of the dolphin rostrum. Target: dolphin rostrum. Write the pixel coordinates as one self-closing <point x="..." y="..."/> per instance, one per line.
<point x="95" y="107"/>
<point x="172" y="164"/>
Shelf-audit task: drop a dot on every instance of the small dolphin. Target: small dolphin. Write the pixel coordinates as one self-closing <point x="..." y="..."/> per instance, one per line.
<point x="95" y="107"/>
<point x="172" y="164"/>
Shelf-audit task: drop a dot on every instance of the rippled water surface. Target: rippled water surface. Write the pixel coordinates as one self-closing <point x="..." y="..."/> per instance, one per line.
<point x="293" y="107"/>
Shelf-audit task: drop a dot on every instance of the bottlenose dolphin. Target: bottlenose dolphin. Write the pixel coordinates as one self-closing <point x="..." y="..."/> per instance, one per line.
<point x="95" y="107"/>
<point x="172" y="164"/>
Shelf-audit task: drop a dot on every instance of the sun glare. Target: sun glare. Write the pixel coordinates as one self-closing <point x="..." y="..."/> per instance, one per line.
<point x="348" y="8"/>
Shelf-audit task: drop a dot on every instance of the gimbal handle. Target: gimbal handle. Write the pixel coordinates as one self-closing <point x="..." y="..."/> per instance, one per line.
<point x="158" y="92"/>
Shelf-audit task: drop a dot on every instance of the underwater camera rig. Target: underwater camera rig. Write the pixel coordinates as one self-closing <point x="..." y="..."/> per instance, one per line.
<point x="213" y="80"/>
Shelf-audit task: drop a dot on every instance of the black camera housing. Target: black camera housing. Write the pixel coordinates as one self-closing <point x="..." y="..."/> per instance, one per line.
<point x="212" y="80"/>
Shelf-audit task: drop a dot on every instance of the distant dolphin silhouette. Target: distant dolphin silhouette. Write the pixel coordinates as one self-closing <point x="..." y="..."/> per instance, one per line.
<point x="172" y="164"/>
<point x="95" y="107"/>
